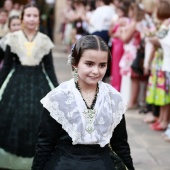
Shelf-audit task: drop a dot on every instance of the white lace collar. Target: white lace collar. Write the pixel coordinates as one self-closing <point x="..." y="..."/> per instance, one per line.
<point x="4" y="41"/>
<point x="29" y="53"/>
<point x="66" y="106"/>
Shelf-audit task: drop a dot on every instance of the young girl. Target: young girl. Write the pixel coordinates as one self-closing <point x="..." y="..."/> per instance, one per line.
<point x="3" y="30"/>
<point x="158" y="91"/>
<point x="27" y="75"/>
<point x="3" y="22"/>
<point x="83" y="124"/>
<point x="117" y="45"/>
<point x="131" y="36"/>
<point x="14" y="24"/>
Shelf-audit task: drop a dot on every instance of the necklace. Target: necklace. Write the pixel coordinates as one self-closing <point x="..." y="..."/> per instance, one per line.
<point x="27" y="36"/>
<point x="90" y="112"/>
<point x="89" y="98"/>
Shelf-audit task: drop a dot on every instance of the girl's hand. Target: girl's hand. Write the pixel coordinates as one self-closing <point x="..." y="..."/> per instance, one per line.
<point x="146" y="70"/>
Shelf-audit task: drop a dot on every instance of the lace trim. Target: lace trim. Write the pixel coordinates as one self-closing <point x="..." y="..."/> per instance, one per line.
<point x="58" y="115"/>
<point x="29" y="53"/>
<point x="109" y="107"/>
<point x="4" y="40"/>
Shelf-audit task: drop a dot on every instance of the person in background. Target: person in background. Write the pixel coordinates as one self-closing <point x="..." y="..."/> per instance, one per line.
<point x="8" y="6"/>
<point x="131" y="36"/>
<point x="3" y="22"/>
<point x="117" y="45"/>
<point x="158" y="92"/>
<point x="3" y="31"/>
<point x="26" y="76"/>
<point x="14" y="24"/>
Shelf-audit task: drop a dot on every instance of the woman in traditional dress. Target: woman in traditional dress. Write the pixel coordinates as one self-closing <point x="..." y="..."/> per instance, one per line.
<point x="83" y="123"/>
<point x="27" y="75"/>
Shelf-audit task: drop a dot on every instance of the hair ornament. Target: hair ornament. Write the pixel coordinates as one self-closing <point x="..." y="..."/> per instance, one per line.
<point x="69" y="59"/>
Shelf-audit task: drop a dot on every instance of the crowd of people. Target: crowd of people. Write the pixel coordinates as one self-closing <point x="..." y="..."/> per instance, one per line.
<point x="137" y="33"/>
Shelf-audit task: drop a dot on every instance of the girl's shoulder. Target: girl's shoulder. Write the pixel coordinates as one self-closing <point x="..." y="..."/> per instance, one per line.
<point x="62" y="90"/>
<point x="43" y="36"/>
<point x="108" y="88"/>
<point x="114" y="95"/>
<point x="16" y="33"/>
<point x="4" y="41"/>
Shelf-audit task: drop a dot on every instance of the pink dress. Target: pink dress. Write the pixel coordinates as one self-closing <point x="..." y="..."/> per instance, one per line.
<point x="117" y="52"/>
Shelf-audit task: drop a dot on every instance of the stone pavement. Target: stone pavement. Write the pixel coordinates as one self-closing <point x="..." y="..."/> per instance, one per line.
<point x="149" y="150"/>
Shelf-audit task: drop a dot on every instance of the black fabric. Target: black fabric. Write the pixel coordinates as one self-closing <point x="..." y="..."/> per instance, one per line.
<point x="156" y="110"/>
<point x="1" y="54"/>
<point x="119" y="144"/>
<point x="54" y="150"/>
<point x="20" y="107"/>
<point x="137" y="65"/>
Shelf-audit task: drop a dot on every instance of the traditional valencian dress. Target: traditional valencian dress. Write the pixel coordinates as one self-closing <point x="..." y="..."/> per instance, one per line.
<point x="27" y="75"/>
<point x="76" y="138"/>
<point x="3" y="44"/>
<point x="3" y="31"/>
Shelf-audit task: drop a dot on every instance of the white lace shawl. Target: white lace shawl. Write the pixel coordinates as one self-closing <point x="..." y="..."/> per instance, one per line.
<point x="4" y="41"/>
<point x="29" y="54"/>
<point x="66" y="106"/>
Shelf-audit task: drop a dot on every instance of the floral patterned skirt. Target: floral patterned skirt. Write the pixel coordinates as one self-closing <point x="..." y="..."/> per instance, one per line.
<point x="158" y="90"/>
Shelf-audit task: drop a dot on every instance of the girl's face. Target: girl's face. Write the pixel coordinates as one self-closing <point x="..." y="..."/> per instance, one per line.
<point x="3" y="17"/>
<point x="31" y="18"/>
<point x="92" y="67"/>
<point x="120" y="12"/>
<point x="15" y="25"/>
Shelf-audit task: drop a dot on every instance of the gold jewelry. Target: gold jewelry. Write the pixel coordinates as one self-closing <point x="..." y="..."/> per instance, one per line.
<point x="75" y="74"/>
<point x="88" y="97"/>
<point x="90" y="112"/>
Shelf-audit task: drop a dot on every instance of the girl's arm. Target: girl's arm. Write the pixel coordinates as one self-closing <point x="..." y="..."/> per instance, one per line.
<point x="128" y="31"/>
<point x="149" y="55"/>
<point x="7" y="66"/>
<point x="49" y="68"/>
<point x="120" y="144"/>
<point x="49" y="131"/>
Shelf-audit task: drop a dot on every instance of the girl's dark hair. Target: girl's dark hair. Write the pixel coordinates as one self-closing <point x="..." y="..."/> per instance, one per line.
<point x="83" y="2"/>
<point x="92" y="5"/>
<point x="3" y="10"/>
<point x="88" y="42"/>
<point x="11" y="18"/>
<point x="138" y="10"/>
<point x="163" y="9"/>
<point x="125" y="9"/>
<point x="31" y="4"/>
<point x="106" y="2"/>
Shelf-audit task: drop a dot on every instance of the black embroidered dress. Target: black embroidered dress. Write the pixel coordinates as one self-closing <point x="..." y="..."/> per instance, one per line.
<point x="27" y="75"/>
<point x="64" y="140"/>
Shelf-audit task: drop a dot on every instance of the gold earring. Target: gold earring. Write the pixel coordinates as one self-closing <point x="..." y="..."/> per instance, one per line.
<point x="75" y="74"/>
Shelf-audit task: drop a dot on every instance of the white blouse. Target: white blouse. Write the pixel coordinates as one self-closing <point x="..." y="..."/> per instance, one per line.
<point x="101" y="19"/>
<point x="67" y="107"/>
